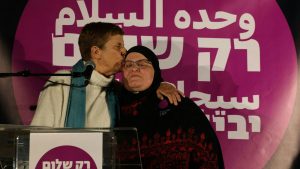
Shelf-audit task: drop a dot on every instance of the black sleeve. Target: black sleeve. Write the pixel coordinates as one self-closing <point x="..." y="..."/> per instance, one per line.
<point x="192" y="119"/>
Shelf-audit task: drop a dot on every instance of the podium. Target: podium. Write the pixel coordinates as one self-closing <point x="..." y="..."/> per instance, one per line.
<point x="16" y="142"/>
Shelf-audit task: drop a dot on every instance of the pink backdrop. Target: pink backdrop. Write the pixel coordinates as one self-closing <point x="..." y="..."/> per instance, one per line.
<point x="231" y="57"/>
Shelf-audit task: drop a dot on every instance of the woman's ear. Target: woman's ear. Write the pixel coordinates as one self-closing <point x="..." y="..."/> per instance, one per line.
<point x="96" y="52"/>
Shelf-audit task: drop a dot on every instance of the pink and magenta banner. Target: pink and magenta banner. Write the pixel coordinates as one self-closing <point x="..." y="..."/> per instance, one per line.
<point x="236" y="59"/>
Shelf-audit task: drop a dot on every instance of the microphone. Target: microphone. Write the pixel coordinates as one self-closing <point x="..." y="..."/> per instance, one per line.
<point x="89" y="67"/>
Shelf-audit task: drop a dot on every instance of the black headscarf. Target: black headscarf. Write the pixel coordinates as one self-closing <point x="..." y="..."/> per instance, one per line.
<point x="151" y="56"/>
<point x="142" y="107"/>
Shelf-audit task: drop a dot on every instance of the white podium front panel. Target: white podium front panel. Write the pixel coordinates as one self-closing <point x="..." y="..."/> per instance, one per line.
<point x="66" y="150"/>
<point x="79" y="148"/>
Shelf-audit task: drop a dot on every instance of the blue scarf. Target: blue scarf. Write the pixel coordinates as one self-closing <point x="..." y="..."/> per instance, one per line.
<point x="75" y="115"/>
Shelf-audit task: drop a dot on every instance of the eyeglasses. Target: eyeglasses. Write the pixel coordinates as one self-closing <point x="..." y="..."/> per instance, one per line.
<point x="140" y="64"/>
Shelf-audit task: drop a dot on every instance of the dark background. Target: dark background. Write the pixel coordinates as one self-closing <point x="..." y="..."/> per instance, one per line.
<point x="10" y="12"/>
<point x="291" y="10"/>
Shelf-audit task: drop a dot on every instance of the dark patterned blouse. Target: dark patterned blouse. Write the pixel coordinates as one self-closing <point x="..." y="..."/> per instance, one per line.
<point x="170" y="137"/>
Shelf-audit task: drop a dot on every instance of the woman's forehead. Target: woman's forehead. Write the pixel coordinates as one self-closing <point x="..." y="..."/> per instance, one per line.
<point x="115" y="39"/>
<point x="135" y="56"/>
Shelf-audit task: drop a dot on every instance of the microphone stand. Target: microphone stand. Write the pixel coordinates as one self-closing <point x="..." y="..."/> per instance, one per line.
<point x="27" y="73"/>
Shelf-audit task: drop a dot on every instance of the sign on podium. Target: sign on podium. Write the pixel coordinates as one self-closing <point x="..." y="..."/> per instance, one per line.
<point x="54" y="148"/>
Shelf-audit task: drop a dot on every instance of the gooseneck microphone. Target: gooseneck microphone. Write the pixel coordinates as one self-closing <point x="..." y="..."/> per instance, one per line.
<point x="87" y="73"/>
<point x="89" y="67"/>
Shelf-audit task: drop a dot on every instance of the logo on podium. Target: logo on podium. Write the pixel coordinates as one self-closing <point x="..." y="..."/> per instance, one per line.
<point x="65" y="150"/>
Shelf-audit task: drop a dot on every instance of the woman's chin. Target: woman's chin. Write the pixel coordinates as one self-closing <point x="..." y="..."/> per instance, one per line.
<point x="135" y="88"/>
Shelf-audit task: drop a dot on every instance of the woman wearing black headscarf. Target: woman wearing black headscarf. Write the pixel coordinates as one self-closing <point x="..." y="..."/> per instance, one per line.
<point x="170" y="137"/>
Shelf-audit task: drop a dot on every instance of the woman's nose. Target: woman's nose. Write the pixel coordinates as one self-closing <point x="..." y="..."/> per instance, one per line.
<point x="135" y="67"/>
<point x="123" y="52"/>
